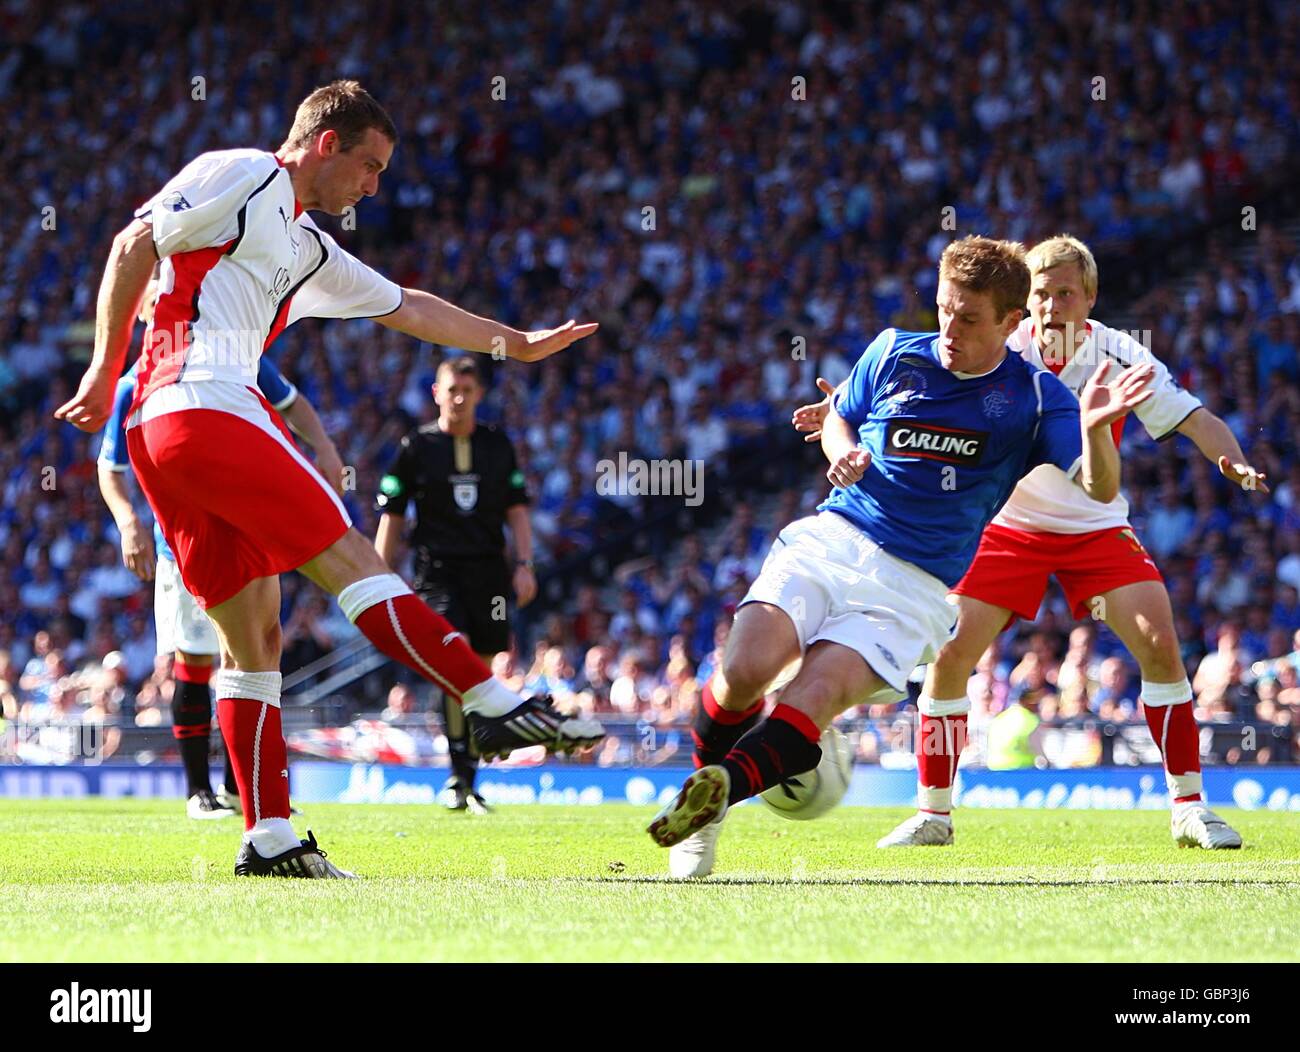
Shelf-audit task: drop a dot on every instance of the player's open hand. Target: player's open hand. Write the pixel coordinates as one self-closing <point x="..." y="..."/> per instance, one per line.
<point x="542" y="343"/>
<point x="1101" y="404"/>
<point x="808" y="418"/>
<point x="138" y="554"/>
<point x="849" y="468"/>
<point x="89" y="409"/>
<point x="1243" y="475"/>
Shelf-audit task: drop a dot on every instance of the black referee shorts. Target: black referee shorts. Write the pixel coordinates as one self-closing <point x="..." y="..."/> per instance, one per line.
<point x="475" y="596"/>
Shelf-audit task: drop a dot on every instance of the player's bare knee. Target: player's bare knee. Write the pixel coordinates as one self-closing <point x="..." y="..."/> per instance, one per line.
<point x="746" y="678"/>
<point x="1160" y="659"/>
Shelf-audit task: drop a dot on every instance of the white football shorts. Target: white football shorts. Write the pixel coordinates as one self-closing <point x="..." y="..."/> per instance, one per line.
<point x="179" y="622"/>
<point x="837" y="584"/>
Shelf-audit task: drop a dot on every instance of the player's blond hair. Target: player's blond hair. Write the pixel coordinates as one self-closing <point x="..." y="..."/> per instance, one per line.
<point x="345" y="108"/>
<point x="1061" y="250"/>
<point x="983" y="264"/>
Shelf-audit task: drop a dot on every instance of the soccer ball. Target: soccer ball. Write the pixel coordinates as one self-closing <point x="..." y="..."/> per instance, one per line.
<point x="813" y="793"/>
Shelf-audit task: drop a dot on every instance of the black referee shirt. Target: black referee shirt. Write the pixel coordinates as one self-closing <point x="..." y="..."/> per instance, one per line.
<point x="461" y="488"/>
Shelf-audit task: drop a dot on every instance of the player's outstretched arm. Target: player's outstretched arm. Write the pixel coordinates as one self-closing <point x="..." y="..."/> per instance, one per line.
<point x="1100" y="405"/>
<point x="130" y="264"/>
<point x="1214" y="438"/>
<point x="434" y="320"/>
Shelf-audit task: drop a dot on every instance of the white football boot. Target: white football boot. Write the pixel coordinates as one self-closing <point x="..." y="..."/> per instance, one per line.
<point x="229" y="798"/>
<point x="1195" y="825"/>
<point x="701" y="801"/>
<point x="203" y="805"/>
<point x="694" y="856"/>
<point x="921" y="830"/>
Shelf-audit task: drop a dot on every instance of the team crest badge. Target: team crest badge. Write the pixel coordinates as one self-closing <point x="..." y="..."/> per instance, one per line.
<point x="465" y="494"/>
<point x="995" y="402"/>
<point x="905" y="388"/>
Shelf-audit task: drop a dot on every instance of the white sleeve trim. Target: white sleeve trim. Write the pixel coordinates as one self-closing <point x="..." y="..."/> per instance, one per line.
<point x="288" y="400"/>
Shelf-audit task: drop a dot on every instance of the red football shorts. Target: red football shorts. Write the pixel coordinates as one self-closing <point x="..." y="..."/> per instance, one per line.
<point x="235" y="498"/>
<point x="1011" y="567"/>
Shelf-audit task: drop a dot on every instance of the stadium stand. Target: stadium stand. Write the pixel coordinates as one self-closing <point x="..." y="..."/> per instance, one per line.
<point x="630" y="175"/>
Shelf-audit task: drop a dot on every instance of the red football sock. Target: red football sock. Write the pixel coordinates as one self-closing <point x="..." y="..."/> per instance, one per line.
<point x="408" y="631"/>
<point x="1174" y="730"/>
<point x="258" y="756"/>
<point x="937" y="751"/>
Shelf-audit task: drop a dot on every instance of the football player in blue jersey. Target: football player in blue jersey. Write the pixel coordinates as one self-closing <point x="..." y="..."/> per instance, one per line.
<point x="926" y="439"/>
<point x="182" y="628"/>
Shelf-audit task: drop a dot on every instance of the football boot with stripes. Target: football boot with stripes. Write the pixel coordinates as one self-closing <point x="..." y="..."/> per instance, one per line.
<point x="534" y="722"/>
<point x="305" y="860"/>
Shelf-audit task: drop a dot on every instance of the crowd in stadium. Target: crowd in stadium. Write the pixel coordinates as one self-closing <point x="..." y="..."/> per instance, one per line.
<point x="708" y="181"/>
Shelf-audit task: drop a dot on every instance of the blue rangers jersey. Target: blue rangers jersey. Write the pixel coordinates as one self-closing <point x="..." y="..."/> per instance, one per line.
<point x="946" y="449"/>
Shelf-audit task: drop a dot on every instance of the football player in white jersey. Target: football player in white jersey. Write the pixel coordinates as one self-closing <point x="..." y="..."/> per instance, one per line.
<point x="237" y="501"/>
<point x="1050" y="527"/>
<point x="183" y="630"/>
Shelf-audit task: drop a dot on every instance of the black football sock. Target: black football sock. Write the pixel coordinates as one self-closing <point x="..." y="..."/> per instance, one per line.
<point x="464" y="764"/>
<point x="782" y="746"/>
<point x="191" y="726"/>
<point x="717" y="730"/>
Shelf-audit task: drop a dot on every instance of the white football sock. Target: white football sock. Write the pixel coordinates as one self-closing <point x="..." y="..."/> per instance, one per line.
<point x="930" y="799"/>
<point x="272" y="836"/>
<point x="490" y="698"/>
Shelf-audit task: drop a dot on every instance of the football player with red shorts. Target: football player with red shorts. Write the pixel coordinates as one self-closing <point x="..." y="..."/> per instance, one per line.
<point x="236" y="500"/>
<point x="1049" y="527"/>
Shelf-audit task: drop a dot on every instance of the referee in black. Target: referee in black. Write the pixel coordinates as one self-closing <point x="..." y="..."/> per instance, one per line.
<point x="466" y="485"/>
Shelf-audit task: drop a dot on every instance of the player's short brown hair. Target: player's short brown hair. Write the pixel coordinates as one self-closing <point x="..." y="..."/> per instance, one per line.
<point x="983" y="264"/>
<point x="463" y="365"/>
<point x="1061" y="250"/>
<point x="343" y="107"/>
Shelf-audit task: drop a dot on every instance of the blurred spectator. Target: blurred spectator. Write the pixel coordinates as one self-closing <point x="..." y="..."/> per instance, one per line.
<point x="401" y="705"/>
<point x="1115" y="690"/>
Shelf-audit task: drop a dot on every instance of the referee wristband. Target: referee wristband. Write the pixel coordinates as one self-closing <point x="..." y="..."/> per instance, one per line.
<point x="527" y="563"/>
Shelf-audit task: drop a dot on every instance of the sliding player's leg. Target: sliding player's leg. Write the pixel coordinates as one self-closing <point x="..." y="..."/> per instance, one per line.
<point x="871" y="616"/>
<point x="762" y="649"/>
<point x="831" y="679"/>
<point x="941" y="731"/>
<point x="763" y="644"/>
<point x="400" y="625"/>
<point x="1140" y="614"/>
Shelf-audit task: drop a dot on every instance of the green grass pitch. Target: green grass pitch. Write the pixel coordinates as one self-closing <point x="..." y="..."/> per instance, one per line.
<point x="103" y="880"/>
